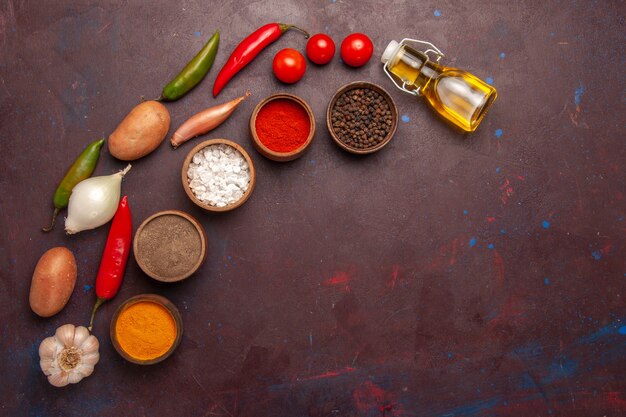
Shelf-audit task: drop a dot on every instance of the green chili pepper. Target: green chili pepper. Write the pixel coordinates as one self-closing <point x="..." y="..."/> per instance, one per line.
<point x="194" y="72"/>
<point x="82" y="168"/>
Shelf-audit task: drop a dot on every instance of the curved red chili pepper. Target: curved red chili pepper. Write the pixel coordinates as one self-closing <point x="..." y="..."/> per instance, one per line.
<point x="248" y="49"/>
<point x="114" y="257"/>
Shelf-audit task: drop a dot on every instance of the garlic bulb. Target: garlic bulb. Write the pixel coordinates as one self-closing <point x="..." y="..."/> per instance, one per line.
<point x="68" y="356"/>
<point x="93" y="202"/>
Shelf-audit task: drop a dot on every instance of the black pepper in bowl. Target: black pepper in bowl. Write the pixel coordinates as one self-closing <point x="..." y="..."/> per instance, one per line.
<point x="362" y="117"/>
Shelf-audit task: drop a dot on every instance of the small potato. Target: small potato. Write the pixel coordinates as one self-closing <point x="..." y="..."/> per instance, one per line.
<point x="53" y="282"/>
<point x="141" y="131"/>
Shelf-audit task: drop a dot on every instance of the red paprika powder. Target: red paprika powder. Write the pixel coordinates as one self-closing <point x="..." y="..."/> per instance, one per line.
<point x="282" y="125"/>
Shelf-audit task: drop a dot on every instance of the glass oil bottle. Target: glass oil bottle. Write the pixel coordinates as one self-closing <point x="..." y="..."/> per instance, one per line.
<point x="458" y="96"/>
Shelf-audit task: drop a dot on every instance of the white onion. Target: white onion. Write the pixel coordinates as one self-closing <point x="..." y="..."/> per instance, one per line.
<point x="93" y="202"/>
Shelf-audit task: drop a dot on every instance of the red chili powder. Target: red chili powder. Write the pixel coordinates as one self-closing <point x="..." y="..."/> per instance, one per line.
<point x="282" y="125"/>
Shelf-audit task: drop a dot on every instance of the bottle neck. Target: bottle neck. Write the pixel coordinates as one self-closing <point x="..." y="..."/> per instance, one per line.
<point x="428" y="71"/>
<point x="414" y="68"/>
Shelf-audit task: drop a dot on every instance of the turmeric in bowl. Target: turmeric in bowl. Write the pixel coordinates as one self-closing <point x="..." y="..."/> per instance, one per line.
<point x="145" y="330"/>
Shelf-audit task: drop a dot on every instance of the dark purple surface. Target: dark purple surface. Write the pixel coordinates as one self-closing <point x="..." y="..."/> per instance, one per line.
<point x="443" y="276"/>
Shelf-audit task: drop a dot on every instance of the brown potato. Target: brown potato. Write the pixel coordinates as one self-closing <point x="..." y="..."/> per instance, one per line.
<point x="141" y="131"/>
<point x="53" y="281"/>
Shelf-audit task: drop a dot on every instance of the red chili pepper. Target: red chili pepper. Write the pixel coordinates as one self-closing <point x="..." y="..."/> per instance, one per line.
<point x="114" y="257"/>
<point x="248" y="49"/>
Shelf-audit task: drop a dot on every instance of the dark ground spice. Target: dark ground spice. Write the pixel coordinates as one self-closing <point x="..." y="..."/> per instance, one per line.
<point x="361" y="118"/>
<point x="169" y="246"/>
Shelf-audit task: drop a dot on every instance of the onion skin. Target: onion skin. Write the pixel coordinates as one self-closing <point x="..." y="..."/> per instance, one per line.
<point x="205" y="121"/>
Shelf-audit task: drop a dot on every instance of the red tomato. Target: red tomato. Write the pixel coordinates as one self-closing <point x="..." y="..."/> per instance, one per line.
<point x="289" y="65"/>
<point x="356" y="49"/>
<point x="320" y="49"/>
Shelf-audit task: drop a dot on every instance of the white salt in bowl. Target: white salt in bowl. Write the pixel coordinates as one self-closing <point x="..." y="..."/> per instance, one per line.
<point x="196" y="198"/>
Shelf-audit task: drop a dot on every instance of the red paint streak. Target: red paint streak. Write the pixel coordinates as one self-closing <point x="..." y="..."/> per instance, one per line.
<point x="506" y="191"/>
<point x="619" y="196"/>
<point x="521" y="178"/>
<point x="330" y="374"/>
<point x="445" y="252"/>
<point x="341" y="278"/>
<point x="491" y="219"/>
<point x="510" y="312"/>
<point x="498" y="267"/>
<point x="606" y="249"/>
<point x="369" y="396"/>
<point x="394" y="277"/>
<point x="614" y="398"/>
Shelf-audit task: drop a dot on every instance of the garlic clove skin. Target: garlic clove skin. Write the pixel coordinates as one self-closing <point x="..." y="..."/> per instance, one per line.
<point x="68" y="356"/>
<point x="65" y="335"/>
<point x="80" y="335"/>
<point x="59" y="380"/>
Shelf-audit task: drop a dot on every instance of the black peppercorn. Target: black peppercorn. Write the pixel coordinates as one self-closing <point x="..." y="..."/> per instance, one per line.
<point x="361" y="118"/>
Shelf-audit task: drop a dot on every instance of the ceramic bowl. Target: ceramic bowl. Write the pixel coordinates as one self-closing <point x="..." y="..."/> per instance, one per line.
<point x="153" y="228"/>
<point x="281" y="156"/>
<point x="163" y="302"/>
<point x="392" y="107"/>
<point x="199" y="202"/>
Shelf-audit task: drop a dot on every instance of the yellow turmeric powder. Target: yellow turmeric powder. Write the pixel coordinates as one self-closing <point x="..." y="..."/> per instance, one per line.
<point x="145" y="330"/>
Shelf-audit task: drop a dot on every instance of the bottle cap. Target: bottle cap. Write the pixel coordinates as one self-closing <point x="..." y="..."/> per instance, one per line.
<point x="390" y="51"/>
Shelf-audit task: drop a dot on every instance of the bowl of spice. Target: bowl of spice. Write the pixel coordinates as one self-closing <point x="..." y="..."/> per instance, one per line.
<point x="282" y="127"/>
<point x="361" y="117"/>
<point x="218" y="175"/>
<point x="146" y="329"/>
<point x="170" y="246"/>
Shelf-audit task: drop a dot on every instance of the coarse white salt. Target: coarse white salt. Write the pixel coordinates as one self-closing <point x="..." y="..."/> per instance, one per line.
<point x="218" y="175"/>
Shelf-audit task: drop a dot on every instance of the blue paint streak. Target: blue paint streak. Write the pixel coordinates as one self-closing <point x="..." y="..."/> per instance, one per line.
<point x="87" y="288"/>
<point x="472" y="242"/>
<point x="490" y="246"/>
<point x="499" y="133"/>
<point x="531" y="350"/>
<point x="489" y="80"/>
<point x="498" y="169"/>
<point x="437" y="13"/>
<point x="197" y="34"/>
<point x="503" y="231"/>
<point x="465" y="212"/>
<point x="502" y="55"/>
<point x="578" y="94"/>
<point x="473" y="409"/>
<point x="405" y="118"/>
<point x="597" y="255"/>
<point x="545" y="224"/>
<point x="450" y="355"/>
<point x="546" y="281"/>
<point x="564" y="368"/>
<point x="608" y="330"/>
<point x="311" y="339"/>
<point x="622" y="330"/>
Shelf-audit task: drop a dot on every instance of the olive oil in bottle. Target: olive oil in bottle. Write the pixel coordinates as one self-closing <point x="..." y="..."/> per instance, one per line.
<point x="458" y="96"/>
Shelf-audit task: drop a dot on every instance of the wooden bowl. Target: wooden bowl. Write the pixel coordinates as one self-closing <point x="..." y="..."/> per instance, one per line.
<point x="392" y="107"/>
<point x="157" y="299"/>
<point x="209" y="207"/>
<point x="167" y="240"/>
<point x="281" y="156"/>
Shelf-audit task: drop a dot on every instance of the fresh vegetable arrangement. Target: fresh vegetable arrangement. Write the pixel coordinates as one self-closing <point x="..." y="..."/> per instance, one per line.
<point x="248" y="49"/>
<point x="219" y="175"/>
<point x="81" y="169"/>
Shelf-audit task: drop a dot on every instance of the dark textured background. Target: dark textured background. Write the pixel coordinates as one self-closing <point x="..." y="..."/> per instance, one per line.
<point x="446" y="275"/>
